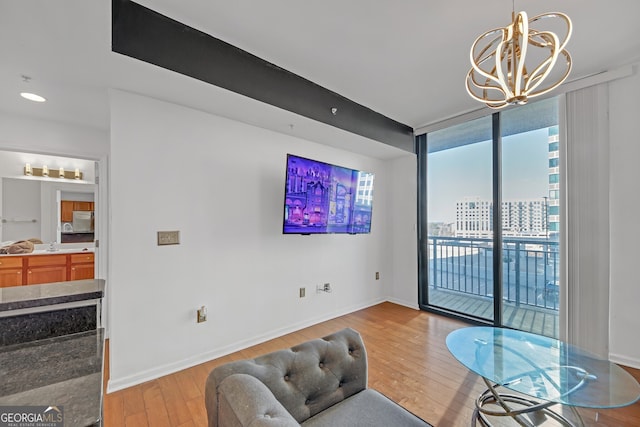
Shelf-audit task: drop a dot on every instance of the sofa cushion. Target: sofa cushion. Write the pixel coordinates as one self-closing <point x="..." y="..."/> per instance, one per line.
<point x="305" y="379"/>
<point x="244" y="400"/>
<point x="365" y="409"/>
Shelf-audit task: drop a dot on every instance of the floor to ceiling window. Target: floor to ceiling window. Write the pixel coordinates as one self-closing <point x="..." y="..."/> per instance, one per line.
<point x="489" y="218"/>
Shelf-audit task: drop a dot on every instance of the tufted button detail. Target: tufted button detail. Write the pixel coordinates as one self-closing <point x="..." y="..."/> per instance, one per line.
<point x="350" y="350"/>
<point x="306" y="402"/>
<point x="267" y="416"/>
<point x="286" y="377"/>
<point x="321" y="364"/>
<point x="340" y="384"/>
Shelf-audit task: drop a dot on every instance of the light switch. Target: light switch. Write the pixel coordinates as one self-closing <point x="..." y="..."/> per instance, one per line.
<point x="168" y="238"/>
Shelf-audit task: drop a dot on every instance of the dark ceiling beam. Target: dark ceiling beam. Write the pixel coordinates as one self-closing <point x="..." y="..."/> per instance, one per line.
<point x="146" y="35"/>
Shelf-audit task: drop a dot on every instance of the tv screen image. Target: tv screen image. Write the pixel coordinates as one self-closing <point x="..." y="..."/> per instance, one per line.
<point x="325" y="198"/>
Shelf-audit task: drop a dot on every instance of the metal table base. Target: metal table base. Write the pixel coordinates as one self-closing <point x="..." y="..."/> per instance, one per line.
<point x="530" y="414"/>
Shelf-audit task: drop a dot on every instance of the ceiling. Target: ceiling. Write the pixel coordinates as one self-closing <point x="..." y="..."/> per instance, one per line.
<point x="406" y="59"/>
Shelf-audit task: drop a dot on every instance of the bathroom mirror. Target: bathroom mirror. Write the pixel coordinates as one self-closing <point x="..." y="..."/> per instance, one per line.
<point x="43" y="208"/>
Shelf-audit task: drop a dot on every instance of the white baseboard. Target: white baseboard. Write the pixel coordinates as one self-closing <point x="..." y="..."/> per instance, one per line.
<point x="625" y="360"/>
<point x="170" y="368"/>
<point x="413" y="305"/>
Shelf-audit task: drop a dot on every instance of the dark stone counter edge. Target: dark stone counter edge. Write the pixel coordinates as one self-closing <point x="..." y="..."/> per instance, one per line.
<point x="16" y="305"/>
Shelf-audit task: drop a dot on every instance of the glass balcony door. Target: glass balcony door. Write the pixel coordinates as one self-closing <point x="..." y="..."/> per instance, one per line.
<point x="530" y="222"/>
<point x="459" y="247"/>
<point x="489" y="209"/>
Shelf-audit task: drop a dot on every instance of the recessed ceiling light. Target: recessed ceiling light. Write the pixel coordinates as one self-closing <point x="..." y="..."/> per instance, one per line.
<point x="32" y="97"/>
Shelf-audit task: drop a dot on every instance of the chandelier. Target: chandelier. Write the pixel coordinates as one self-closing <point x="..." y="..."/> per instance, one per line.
<point x="512" y="64"/>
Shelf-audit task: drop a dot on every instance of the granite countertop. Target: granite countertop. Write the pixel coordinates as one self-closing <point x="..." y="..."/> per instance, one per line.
<point x="28" y="296"/>
<point x="62" y="371"/>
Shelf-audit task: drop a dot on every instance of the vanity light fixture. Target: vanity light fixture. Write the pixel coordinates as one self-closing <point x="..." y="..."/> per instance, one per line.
<point x="55" y="173"/>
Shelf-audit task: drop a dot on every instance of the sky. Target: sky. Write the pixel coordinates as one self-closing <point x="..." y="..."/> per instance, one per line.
<point x="466" y="171"/>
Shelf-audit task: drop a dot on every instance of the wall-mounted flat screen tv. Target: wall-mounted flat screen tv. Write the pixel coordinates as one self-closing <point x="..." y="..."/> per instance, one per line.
<point x="324" y="198"/>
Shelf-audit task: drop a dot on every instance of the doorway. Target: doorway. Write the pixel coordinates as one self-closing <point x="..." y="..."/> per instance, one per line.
<point x="30" y="209"/>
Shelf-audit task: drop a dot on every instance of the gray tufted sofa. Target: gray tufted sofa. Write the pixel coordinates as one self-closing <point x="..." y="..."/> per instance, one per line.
<point x="318" y="383"/>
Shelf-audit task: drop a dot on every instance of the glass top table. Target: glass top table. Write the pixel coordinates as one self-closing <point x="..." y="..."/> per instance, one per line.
<point x="539" y="367"/>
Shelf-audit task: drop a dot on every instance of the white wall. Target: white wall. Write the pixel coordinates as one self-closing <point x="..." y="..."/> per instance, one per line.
<point x="624" y="199"/>
<point x="403" y="286"/>
<point x="21" y="205"/>
<point x="220" y="183"/>
<point x="20" y="133"/>
<point x="77" y="196"/>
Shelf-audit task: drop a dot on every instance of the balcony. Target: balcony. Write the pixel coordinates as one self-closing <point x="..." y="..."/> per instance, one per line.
<point x="461" y="275"/>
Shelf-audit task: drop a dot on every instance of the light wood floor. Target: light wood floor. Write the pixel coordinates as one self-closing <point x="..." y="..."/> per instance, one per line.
<point x="408" y="362"/>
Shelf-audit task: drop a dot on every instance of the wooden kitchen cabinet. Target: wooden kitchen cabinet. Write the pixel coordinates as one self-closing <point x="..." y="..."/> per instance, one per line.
<point x="66" y="210"/>
<point x="82" y="206"/>
<point x="81" y="266"/>
<point x="68" y="206"/>
<point x="10" y="271"/>
<point x="46" y="269"/>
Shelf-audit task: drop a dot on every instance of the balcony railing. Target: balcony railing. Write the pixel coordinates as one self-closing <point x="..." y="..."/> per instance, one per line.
<point x="530" y="269"/>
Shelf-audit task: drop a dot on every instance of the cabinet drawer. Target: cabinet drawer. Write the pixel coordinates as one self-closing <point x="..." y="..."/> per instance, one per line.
<point x="80" y="258"/>
<point x="37" y="260"/>
<point x="10" y="262"/>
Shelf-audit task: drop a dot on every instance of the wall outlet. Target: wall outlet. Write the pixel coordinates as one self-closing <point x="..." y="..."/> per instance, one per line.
<point x="303" y="292"/>
<point x="168" y="238"/>
<point x="377" y="275"/>
<point x="201" y="315"/>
